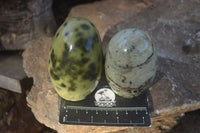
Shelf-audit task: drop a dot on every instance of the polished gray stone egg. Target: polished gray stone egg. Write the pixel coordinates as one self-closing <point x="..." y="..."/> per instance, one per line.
<point x="130" y="63"/>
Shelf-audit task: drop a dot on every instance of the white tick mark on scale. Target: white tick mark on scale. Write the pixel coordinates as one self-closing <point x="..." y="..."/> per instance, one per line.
<point x="126" y="112"/>
<point x="116" y="112"/>
<point x="64" y="119"/>
<point x="117" y="119"/>
<point x="92" y="119"/>
<point x="106" y="112"/>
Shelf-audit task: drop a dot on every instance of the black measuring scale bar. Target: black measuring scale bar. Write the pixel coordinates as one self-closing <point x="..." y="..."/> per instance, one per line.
<point x="104" y="108"/>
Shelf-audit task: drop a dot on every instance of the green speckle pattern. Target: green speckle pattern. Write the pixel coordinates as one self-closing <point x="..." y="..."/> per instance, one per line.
<point x="130" y="64"/>
<point x="75" y="59"/>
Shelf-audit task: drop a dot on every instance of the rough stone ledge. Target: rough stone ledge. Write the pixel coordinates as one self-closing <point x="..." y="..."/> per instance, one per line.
<point x="176" y="87"/>
<point x="44" y="101"/>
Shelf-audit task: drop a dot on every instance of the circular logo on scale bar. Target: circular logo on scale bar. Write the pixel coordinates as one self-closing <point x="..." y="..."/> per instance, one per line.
<point x="105" y="97"/>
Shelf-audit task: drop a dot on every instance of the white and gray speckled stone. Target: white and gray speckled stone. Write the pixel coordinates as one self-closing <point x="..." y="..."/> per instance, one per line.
<point x="130" y="62"/>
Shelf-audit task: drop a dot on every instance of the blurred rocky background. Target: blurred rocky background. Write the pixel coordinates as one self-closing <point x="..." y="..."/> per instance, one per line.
<point x="26" y="31"/>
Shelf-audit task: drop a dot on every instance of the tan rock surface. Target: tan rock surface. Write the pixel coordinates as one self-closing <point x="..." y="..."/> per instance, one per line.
<point x="44" y="101"/>
<point x="176" y="87"/>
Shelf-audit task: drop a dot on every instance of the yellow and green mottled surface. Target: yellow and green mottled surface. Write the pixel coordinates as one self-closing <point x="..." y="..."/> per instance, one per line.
<point x="75" y="59"/>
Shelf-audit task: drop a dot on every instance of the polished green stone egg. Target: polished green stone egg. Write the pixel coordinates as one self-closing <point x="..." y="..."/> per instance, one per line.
<point x="130" y="64"/>
<point x="75" y="59"/>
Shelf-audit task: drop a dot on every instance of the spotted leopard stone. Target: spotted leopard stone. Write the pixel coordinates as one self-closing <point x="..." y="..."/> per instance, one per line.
<point x="75" y="59"/>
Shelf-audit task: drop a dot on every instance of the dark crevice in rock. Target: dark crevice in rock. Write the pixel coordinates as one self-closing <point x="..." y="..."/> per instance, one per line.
<point x="26" y="84"/>
<point x="61" y="8"/>
<point x="189" y="123"/>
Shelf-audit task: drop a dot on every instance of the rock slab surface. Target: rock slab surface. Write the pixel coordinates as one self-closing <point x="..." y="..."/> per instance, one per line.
<point x="176" y="88"/>
<point x="23" y="21"/>
<point x="11" y="72"/>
